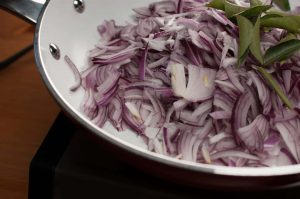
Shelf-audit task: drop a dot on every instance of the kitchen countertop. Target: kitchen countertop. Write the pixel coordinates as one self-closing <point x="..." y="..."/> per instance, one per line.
<point x="26" y="109"/>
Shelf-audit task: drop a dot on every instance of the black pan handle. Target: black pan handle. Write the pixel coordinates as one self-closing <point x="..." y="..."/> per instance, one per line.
<point x="26" y="9"/>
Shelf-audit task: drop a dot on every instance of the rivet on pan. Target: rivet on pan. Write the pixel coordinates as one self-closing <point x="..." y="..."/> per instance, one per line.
<point x="79" y="5"/>
<point x="54" y="50"/>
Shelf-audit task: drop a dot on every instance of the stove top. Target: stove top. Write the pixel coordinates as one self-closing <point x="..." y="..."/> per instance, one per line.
<point x="71" y="165"/>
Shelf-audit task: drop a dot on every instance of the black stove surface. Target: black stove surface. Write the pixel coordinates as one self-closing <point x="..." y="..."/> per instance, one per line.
<point x="71" y="165"/>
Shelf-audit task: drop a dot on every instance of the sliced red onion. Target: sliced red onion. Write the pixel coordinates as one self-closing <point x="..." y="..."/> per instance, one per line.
<point x="158" y="44"/>
<point x="226" y="84"/>
<point x="192" y="53"/>
<point x="76" y="74"/>
<point x="101" y="117"/>
<point x="170" y="77"/>
<point x="287" y="75"/>
<point x="220" y="115"/>
<point x="168" y="134"/>
<point x="159" y="62"/>
<point x="263" y="92"/>
<point x="225" y="144"/>
<point x="143" y="11"/>
<point x="196" y="40"/>
<point x="109" y="83"/>
<point x="141" y="84"/>
<point x="143" y="63"/>
<point x="163" y="8"/>
<point x="202" y="81"/>
<point x="233" y="153"/>
<point x="108" y="30"/>
<point x="161" y="33"/>
<point x="88" y="105"/>
<point x="133" y="123"/>
<point x="188" y="118"/>
<point x="204" y="131"/>
<point x="129" y="32"/>
<point x="191" y="24"/>
<point x="240" y="112"/>
<point x="253" y="135"/>
<point x="274" y="138"/>
<point x="159" y="147"/>
<point x="146" y="26"/>
<point x="159" y="112"/>
<point x="180" y="6"/>
<point x="223" y="101"/>
<point x="285" y="115"/>
<point x="151" y="132"/>
<point x="218" y="138"/>
<point x="133" y="94"/>
<point x="187" y="146"/>
<point x="231" y="61"/>
<point x="220" y="17"/>
<point x="116" y="114"/>
<point x="287" y="154"/>
<point x="178" y="78"/>
<point x="294" y="86"/>
<point x="233" y="76"/>
<point x="209" y="41"/>
<point x="291" y="138"/>
<point x="133" y="110"/>
<point x="195" y="149"/>
<point x="105" y="99"/>
<point x="202" y="108"/>
<point x="180" y="104"/>
<point x="206" y="154"/>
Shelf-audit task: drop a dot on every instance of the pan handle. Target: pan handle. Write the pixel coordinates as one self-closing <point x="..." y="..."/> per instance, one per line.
<point x="28" y="10"/>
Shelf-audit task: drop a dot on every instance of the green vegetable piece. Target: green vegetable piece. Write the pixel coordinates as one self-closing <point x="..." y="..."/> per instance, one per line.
<point x="281" y="51"/>
<point x="288" y="37"/>
<point x="256" y="11"/>
<point x="290" y="23"/>
<point x="283" y="4"/>
<point x="273" y="83"/>
<point x="245" y="39"/>
<point x="242" y="58"/>
<point x="275" y="13"/>
<point x="255" y="45"/>
<point x="254" y="3"/>
<point x="217" y="4"/>
<point x="233" y="9"/>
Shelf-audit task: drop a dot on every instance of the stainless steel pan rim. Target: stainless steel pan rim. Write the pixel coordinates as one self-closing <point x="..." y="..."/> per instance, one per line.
<point x="210" y="169"/>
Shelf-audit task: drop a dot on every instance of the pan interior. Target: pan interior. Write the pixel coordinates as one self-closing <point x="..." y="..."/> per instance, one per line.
<point x="75" y="34"/>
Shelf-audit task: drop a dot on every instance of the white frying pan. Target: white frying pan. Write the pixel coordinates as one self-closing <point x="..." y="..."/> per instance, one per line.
<point x="68" y="27"/>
